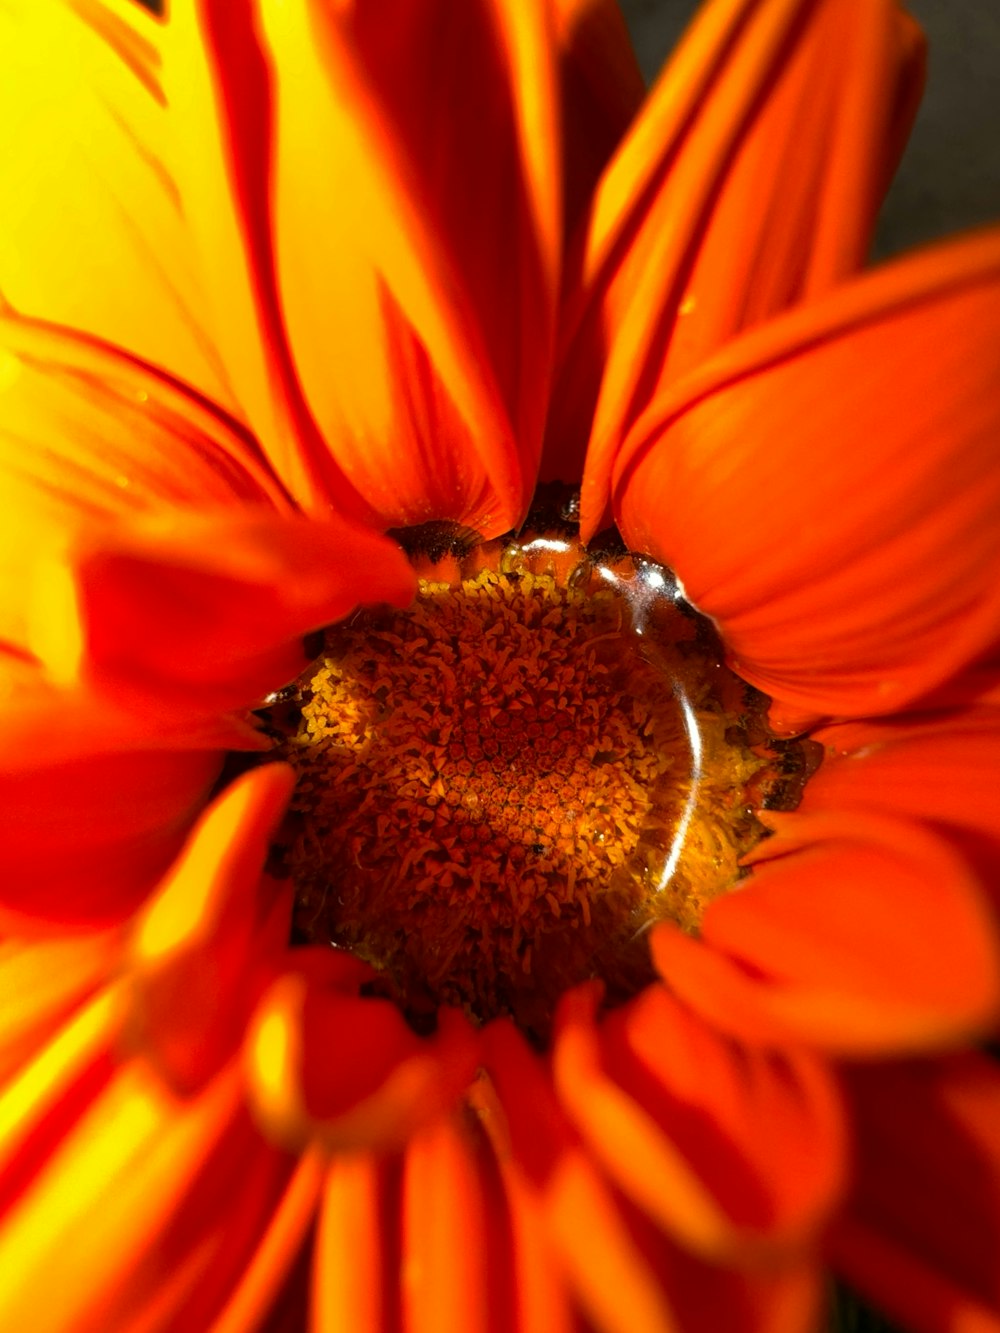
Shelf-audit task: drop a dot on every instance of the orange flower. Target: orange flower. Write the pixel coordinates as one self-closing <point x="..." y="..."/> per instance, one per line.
<point x="278" y="275"/>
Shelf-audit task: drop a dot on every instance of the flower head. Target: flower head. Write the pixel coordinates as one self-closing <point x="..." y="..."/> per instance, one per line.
<point x="279" y="277"/>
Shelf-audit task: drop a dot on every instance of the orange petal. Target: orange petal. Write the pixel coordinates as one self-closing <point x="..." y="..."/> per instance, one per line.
<point x="91" y="813"/>
<point x="190" y="614"/>
<point x="89" y="433"/>
<point x="923" y="1232"/>
<point x="619" y="1290"/>
<point x="861" y="934"/>
<point x="939" y="769"/>
<point x="750" y="180"/>
<point x="839" y="527"/>
<point x="418" y="271"/>
<point x="445" y="1236"/>
<point x="731" y="1151"/>
<point x="351" y="1272"/>
<point x="94" y="235"/>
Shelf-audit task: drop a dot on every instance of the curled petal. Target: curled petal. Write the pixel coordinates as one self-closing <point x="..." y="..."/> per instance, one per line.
<point x="730" y="1150"/>
<point x="839" y="527"/>
<point x="860" y="934"/>
<point x="324" y="1061"/>
<point x="749" y="181"/>
<point x="926" y="1132"/>
<point x="195" y="613"/>
<point x="95" y="234"/>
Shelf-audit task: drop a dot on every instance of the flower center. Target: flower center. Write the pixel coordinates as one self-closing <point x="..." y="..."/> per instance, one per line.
<point x="503" y="786"/>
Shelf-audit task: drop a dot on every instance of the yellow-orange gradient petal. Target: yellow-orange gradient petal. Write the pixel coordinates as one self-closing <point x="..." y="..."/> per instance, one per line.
<point x="750" y="180"/>
<point x="926" y="1133"/>
<point x="92" y="810"/>
<point x="860" y="934"/>
<point x="94" y="233"/>
<point x="185" y="614"/>
<point x="827" y="488"/>
<point x="418" y="268"/>
<point x="732" y="1151"/>
<point x="85" y="1228"/>
<point x="88" y="433"/>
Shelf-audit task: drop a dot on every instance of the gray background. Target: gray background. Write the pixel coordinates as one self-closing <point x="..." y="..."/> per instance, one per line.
<point x="950" y="177"/>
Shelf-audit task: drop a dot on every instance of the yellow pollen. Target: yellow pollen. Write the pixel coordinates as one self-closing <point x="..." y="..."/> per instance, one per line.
<point x="503" y="786"/>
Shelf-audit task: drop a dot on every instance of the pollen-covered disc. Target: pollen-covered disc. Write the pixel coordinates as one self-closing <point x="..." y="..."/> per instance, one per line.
<point x="501" y="787"/>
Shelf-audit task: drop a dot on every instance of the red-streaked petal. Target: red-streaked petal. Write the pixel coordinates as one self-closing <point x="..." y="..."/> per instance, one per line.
<point x="219" y="94"/>
<point x="49" y="1091"/>
<point x="95" y="236"/>
<point x="923" y="1232"/>
<point x="731" y="1151"/>
<point x="89" y="433"/>
<point x="861" y="934"/>
<point x="111" y="1187"/>
<point x="602" y="90"/>
<point x="276" y="1249"/>
<point x="750" y="180"/>
<point x="940" y="769"/>
<point x="418" y="272"/>
<point x="193" y="613"/>
<point x="838" y="525"/>
<point x="131" y="1156"/>
<point x="42" y="983"/>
